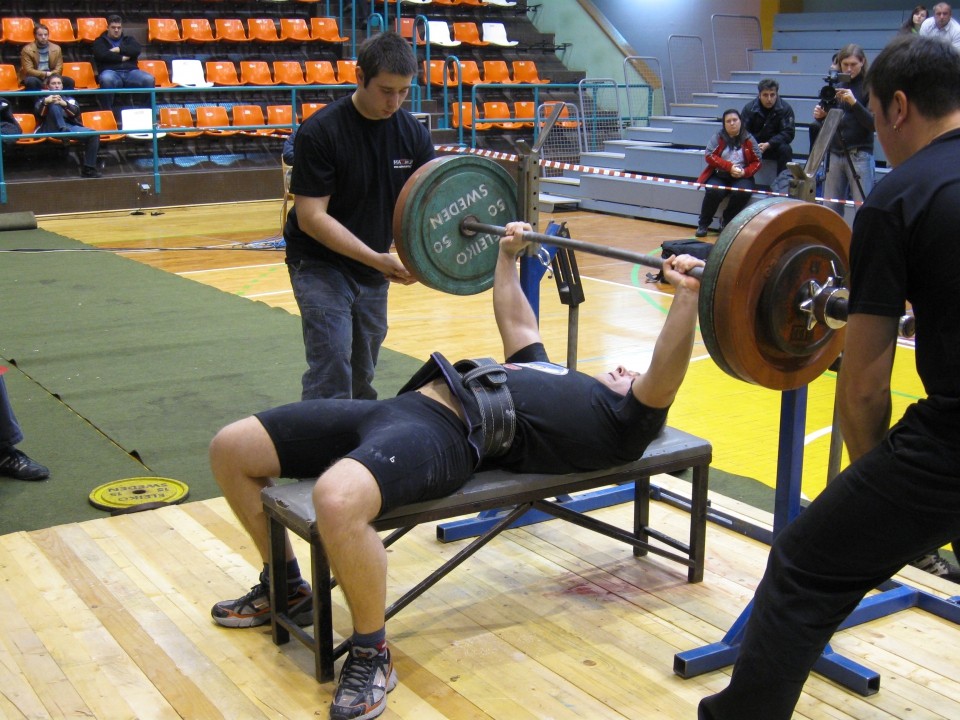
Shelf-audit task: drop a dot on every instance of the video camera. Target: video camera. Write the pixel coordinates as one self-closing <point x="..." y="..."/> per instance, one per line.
<point x="828" y="93"/>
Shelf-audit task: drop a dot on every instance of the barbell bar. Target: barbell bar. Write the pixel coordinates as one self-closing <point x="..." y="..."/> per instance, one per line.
<point x="470" y="226"/>
<point x="771" y="305"/>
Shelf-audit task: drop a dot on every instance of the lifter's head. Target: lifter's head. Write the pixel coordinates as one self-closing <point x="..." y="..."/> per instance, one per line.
<point x="619" y="380"/>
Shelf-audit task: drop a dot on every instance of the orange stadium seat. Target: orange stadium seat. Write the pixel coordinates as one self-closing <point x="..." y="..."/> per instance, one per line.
<point x="248" y="115"/>
<point x="262" y="30"/>
<point x="82" y="74"/>
<point x="9" y="80"/>
<point x="157" y="68"/>
<point x="309" y="108"/>
<point x="178" y="117"/>
<point x="463" y="113"/>
<point x="163" y="30"/>
<point x="563" y="118"/>
<point x="212" y="117"/>
<point x="17" y="30"/>
<point x="468" y="34"/>
<point x="437" y="73"/>
<point x="282" y="117"/>
<point x="28" y="126"/>
<point x="320" y="72"/>
<point x="90" y="28"/>
<point x="255" y="72"/>
<point x="525" y="111"/>
<point x="497" y="71"/>
<point x="501" y="112"/>
<point x="406" y="27"/>
<point x="61" y="30"/>
<point x="470" y="72"/>
<point x="525" y="71"/>
<point x="347" y="72"/>
<point x="288" y="72"/>
<point x="326" y="29"/>
<point x="295" y="30"/>
<point x="230" y="30"/>
<point x="104" y="121"/>
<point x="222" y="72"/>
<point x="197" y="30"/>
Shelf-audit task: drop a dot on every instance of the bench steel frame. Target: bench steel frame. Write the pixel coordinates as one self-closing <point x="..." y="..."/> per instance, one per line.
<point x="290" y="507"/>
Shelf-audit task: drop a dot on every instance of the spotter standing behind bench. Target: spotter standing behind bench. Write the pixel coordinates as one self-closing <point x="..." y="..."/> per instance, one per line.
<point x="371" y="456"/>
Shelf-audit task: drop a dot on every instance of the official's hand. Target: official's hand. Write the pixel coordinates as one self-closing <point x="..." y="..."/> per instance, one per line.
<point x="764" y="146"/>
<point x="513" y="243"/>
<point x="394" y="271"/>
<point x="819" y="113"/>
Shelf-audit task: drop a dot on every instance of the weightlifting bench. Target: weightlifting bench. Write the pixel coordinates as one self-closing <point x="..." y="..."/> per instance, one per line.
<point x="291" y="507"/>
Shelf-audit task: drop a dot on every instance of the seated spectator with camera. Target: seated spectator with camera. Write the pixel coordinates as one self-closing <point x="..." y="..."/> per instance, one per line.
<point x="61" y="113"/>
<point x="850" y="163"/>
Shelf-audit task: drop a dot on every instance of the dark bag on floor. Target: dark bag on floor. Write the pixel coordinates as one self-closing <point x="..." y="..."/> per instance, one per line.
<point x="697" y="248"/>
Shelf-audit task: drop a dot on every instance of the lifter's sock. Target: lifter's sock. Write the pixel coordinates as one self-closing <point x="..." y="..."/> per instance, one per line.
<point x="376" y="639"/>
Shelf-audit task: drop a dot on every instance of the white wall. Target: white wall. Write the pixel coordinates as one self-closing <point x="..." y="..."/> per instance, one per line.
<point x="646" y="24"/>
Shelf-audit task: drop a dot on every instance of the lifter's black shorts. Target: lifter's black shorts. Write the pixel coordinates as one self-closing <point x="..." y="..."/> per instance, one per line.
<point x="415" y="447"/>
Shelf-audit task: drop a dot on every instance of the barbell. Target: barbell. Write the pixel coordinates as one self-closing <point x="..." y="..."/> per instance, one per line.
<point x="772" y="303"/>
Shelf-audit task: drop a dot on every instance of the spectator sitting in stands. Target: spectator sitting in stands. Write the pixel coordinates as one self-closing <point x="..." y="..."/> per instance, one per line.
<point x="61" y="113"/>
<point x="116" y="57"/>
<point x="942" y="25"/>
<point x="9" y="127"/>
<point x="771" y="121"/>
<point x="733" y="158"/>
<point x="40" y="59"/>
<point x="911" y="26"/>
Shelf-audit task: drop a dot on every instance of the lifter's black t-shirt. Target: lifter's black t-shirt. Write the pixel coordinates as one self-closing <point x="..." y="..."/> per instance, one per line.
<point x="568" y="421"/>
<point x="361" y="164"/>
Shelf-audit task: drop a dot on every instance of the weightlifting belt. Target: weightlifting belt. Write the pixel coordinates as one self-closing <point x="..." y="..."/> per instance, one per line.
<point x="481" y="387"/>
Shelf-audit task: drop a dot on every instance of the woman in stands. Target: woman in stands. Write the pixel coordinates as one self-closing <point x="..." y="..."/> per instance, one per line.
<point x="912" y="24"/>
<point x="733" y="158"/>
<point x="850" y="163"/>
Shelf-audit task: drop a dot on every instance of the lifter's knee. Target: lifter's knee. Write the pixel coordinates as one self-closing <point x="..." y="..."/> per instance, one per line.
<point x="243" y="448"/>
<point x="346" y="493"/>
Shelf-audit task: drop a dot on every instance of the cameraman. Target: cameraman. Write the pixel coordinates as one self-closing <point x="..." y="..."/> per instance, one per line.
<point x="854" y="136"/>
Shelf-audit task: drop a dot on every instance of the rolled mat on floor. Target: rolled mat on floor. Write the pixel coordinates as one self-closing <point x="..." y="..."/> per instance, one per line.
<point x="18" y="221"/>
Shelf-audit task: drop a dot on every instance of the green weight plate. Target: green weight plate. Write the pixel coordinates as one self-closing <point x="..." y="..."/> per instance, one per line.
<point x="427" y="217"/>
<point x="131" y="492"/>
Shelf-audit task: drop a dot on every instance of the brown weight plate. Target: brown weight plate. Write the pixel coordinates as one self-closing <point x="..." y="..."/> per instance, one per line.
<point x="748" y="256"/>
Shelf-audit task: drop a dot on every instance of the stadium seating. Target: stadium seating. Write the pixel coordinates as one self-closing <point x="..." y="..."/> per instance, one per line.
<point x="463" y="113"/>
<point x="157" y="68"/>
<point x="61" y="30"/>
<point x="82" y="75"/>
<point x="288" y="72"/>
<point x="197" y="30"/>
<point x="326" y="30"/>
<point x="255" y="72"/>
<point x="90" y="28"/>
<point x="230" y="30"/>
<point x="160" y="30"/>
<point x="104" y="121"/>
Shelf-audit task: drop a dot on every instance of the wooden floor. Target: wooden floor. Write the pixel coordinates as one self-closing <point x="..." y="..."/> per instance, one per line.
<point x="110" y="618"/>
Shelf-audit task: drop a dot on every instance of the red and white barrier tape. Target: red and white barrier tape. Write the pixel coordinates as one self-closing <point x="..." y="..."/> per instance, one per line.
<point x="611" y="172"/>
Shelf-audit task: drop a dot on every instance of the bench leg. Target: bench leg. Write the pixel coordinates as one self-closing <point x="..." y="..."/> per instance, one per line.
<point x="641" y="512"/>
<point x="323" y="653"/>
<point x="277" y="561"/>
<point x="698" y="522"/>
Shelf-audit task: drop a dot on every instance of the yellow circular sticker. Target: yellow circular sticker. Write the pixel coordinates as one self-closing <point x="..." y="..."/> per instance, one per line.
<point x="138" y="491"/>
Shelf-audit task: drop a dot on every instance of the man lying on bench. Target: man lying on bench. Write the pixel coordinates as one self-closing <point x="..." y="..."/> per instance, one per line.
<point x="527" y="415"/>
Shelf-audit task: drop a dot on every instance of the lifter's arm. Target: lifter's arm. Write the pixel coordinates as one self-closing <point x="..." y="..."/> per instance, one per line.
<point x="658" y="386"/>
<point x="515" y="319"/>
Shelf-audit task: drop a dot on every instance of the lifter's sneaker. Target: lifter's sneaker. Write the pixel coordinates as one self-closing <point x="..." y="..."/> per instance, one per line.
<point x="253" y="609"/>
<point x="365" y="679"/>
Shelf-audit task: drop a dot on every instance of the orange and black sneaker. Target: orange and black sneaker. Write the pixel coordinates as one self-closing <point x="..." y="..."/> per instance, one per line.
<point x="365" y="679"/>
<point x="253" y="609"/>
